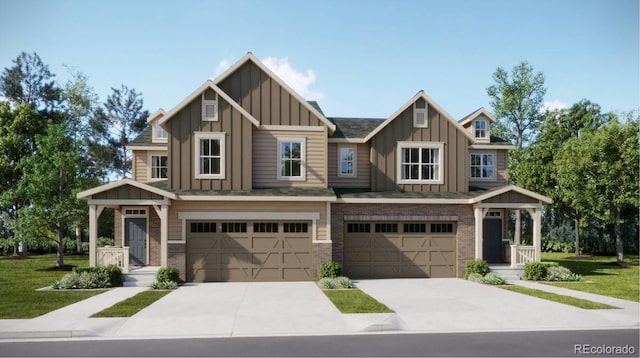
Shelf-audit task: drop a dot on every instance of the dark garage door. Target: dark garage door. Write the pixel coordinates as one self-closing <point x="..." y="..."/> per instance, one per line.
<point x="248" y="251"/>
<point x="399" y="250"/>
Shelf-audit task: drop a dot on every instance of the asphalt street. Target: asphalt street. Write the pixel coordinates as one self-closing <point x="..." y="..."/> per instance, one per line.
<point x="490" y="344"/>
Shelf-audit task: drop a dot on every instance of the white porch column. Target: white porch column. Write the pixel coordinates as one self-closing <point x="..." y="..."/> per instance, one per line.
<point x="517" y="233"/>
<point x="536" y="215"/>
<point x="163" y="214"/>
<point x="478" y="214"/>
<point x="94" y="214"/>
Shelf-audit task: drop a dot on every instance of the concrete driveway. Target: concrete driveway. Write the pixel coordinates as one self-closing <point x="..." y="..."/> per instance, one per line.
<point x="238" y="309"/>
<point x="442" y="305"/>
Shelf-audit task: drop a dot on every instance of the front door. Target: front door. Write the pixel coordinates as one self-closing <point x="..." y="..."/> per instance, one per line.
<point x="492" y="240"/>
<point x="135" y="236"/>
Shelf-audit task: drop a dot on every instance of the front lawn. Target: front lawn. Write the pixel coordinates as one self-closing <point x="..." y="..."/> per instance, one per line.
<point x="132" y="305"/>
<point x="567" y="300"/>
<point x="602" y="274"/>
<point x="355" y="301"/>
<point x="20" y="278"/>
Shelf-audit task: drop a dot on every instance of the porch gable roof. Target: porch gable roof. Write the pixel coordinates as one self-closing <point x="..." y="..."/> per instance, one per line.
<point x="88" y="194"/>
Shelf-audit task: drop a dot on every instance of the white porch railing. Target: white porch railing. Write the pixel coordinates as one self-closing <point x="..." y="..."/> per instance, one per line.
<point x="520" y="255"/>
<point x="118" y="256"/>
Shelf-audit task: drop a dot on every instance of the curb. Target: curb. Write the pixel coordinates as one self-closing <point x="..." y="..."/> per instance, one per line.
<point x="46" y="334"/>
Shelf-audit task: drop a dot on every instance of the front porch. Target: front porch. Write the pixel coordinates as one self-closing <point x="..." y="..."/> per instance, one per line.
<point x="141" y="225"/>
<point x="491" y="214"/>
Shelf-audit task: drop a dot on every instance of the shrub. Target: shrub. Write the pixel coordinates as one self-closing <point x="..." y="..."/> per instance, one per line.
<point x="164" y="285"/>
<point x="478" y="266"/>
<point x="559" y="273"/>
<point x="105" y="241"/>
<point x="475" y="277"/>
<point x="535" y="271"/>
<point x="110" y="273"/>
<point x="327" y="283"/>
<point x="329" y="269"/>
<point x="493" y="278"/>
<point x="168" y="274"/>
<point x="343" y="282"/>
<point x="82" y="280"/>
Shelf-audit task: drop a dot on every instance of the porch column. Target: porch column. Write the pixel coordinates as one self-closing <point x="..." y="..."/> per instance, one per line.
<point x="478" y="214"/>
<point x="536" y="215"/>
<point x="164" y="235"/>
<point x="94" y="214"/>
<point x="517" y="233"/>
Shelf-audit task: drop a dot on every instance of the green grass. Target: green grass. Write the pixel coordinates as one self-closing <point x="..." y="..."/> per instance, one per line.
<point x="20" y="278"/>
<point x="601" y="273"/>
<point x="355" y="301"/>
<point x="567" y="300"/>
<point x="132" y="305"/>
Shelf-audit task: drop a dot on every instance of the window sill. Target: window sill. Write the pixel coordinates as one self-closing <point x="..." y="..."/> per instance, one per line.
<point x="429" y="182"/>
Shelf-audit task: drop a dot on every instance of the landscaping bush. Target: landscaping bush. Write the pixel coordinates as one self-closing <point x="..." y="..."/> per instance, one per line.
<point x="478" y="266"/>
<point x="330" y="269"/>
<point x="535" y="271"/>
<point x="493" y="278"/>
<point x="82" y="280"/>
<point x="344" y="282"/>
<point x="171" y="274"/>
<point x="105" y="241"/>
<point x="164" y="285"/>
<point x="110" y="273"/>
<point x="560" y="273"/>
<point x="475" y="277"/>
<point x="327" y="283"/>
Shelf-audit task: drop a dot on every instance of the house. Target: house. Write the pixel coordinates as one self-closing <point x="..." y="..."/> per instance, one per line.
<point x="244" y="180"/>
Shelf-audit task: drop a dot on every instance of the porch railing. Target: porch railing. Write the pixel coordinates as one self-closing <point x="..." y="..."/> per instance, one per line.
<point x="520" y="255"/>
<point x="118" y="256"/>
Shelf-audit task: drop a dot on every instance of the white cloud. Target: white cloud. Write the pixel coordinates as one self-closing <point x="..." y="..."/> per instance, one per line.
<point x="553" y="105"/>
<point x="222" y="66"/>
<point x="299" y="81"/>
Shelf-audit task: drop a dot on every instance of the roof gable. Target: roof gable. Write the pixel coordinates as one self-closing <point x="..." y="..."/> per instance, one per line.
<point x="475" y="114"/>
<point x="208" y="85"/>
<point x="250" y="57"/>
<point x="511" y="188"/>
<point x="157" y="114"/>
<point x="116" y="184"/>
<point x="431" y="103"/>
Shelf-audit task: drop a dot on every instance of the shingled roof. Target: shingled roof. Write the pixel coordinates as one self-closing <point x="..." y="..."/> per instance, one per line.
<point x="349" y="128"/>
<point x="145" y="139"/>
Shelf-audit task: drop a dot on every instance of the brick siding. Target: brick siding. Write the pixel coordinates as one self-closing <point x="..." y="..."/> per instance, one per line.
<point x="321" y="253"/>
<point x="177" y="258"/>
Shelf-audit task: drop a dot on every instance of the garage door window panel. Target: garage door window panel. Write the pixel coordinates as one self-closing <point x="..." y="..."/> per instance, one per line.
<point x="203" y="227"/>
<point x="386" y="227"/>
<point x="234" y="227"/>
<point x="296" y="227"/>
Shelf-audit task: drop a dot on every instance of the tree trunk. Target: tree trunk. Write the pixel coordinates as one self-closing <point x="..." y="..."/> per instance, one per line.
<point x="517" y="232"/>
<point x="15" y="250"/>
<point x="577" y="227"/>
<point x="602" y="249"/>
<point x="619" y="243"/>
<point x="78" y="240"/>
<point x="60" y="255"/>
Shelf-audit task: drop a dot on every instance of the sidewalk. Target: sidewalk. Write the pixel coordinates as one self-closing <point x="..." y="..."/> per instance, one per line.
<point x="300" y="308"/>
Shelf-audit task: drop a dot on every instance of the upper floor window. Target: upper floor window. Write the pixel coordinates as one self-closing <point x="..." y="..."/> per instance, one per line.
<point x="420" y="163"/>
<point x="209" y="106"/>
<point x="158" y="133"/>
<point x="480" y="129"/>
<point x="159" y="167"/>
<point x="347" y="161"/>
<point x="210" y="155"/>
<point x="291" y="154"/>
<point x="482" y="166"/>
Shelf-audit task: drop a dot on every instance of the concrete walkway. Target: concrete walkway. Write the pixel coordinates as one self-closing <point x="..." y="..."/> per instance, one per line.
<point x="300" y="308"/>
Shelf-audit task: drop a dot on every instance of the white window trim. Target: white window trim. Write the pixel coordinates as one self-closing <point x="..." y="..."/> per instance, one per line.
<point x="431" y="145"/>
<point x="426" y="118"/>
<point x="154" y="133"/>
<point x="355" y="161"/>
<point x="206" y="102"/>
<point x="486" y="130"/>
<point x="150" y="156"/>
<point x="221" y="136"/>
<point x="493" y="177"/>
<point x="303" y="156"/>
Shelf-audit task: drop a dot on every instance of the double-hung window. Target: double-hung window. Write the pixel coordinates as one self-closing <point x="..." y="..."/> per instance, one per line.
<point x="420" y="163"/>
<point x="210" y="155"/>
<point x="482" y="166"/>
<point x="347" y="161"/>
<point x="159" y="166"/>
<point x="291" y="159"/>
<point x="480" y="128"/>
<point x="158" y="133"/>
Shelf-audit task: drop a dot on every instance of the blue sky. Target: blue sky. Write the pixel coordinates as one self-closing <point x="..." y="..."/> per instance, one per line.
<point x="358" y="58"/>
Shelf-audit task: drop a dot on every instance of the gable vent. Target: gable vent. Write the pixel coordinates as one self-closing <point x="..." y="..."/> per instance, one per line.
<point x="420" y="118"/>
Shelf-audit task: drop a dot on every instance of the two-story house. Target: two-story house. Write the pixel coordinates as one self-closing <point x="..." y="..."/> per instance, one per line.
<point x="244" y="180"/>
